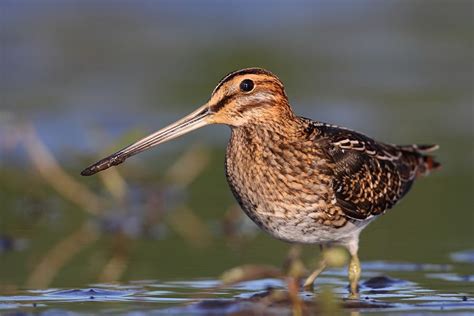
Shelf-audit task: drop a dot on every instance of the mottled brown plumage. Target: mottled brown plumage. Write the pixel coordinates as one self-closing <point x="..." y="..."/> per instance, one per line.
<point x="300" y="180"/>
<point x="331" y="174"/>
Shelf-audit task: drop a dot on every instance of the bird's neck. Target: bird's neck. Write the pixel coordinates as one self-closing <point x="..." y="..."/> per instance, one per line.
<point x="276" y="130"/>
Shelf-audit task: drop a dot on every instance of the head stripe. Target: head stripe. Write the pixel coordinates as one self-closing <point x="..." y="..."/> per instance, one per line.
<point x="246" y="71"/>
<point x="219" y="105"/>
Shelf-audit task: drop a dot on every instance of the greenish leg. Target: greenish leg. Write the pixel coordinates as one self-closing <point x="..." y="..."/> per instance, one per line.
<point x="308" y="284"/>
<point x="354" y="276"/>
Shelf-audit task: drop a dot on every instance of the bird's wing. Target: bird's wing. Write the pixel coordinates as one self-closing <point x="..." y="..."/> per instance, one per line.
<point x="369" y="177"/>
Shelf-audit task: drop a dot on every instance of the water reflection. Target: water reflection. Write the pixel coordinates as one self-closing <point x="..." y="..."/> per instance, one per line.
<point x="265" y="295"/>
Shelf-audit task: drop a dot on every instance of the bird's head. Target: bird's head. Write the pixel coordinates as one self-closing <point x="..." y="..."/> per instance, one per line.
<point x="247" y="96"/>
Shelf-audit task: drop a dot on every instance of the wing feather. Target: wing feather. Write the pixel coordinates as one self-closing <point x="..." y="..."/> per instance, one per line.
<point x="369" y="177"/>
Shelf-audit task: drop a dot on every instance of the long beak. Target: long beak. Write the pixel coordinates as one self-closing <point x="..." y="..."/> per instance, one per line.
<point x="185" y="125"/>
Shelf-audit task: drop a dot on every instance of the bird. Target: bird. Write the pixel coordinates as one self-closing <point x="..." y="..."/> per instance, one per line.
<point x="300" y="180"/>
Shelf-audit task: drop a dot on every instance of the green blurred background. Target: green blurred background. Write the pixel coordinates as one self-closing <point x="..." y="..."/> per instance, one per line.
<point x="80" y="79"/>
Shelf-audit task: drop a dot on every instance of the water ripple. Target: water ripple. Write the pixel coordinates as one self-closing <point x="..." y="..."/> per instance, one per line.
<point x="210" y="296"/>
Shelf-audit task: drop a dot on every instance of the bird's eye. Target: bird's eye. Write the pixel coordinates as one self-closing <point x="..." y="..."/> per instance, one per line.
<point x="246" y="85"/>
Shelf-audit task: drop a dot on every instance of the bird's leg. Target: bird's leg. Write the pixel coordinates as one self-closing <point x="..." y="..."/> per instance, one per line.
<point x="308" y="284"/>
<point x="354" y="273"/>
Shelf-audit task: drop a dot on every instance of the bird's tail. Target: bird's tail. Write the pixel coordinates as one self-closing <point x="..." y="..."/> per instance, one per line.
<point x="425" y="162"/>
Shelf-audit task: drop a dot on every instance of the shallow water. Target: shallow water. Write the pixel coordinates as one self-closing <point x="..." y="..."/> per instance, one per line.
<point x="385" y="287"/>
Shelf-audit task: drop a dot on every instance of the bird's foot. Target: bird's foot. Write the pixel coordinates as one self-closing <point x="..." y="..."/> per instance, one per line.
<point x="354" y="276"/>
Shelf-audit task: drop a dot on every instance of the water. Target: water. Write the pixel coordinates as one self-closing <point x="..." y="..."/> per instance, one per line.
<point x="410" y="288"/>
<point x="81" y="81"/>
